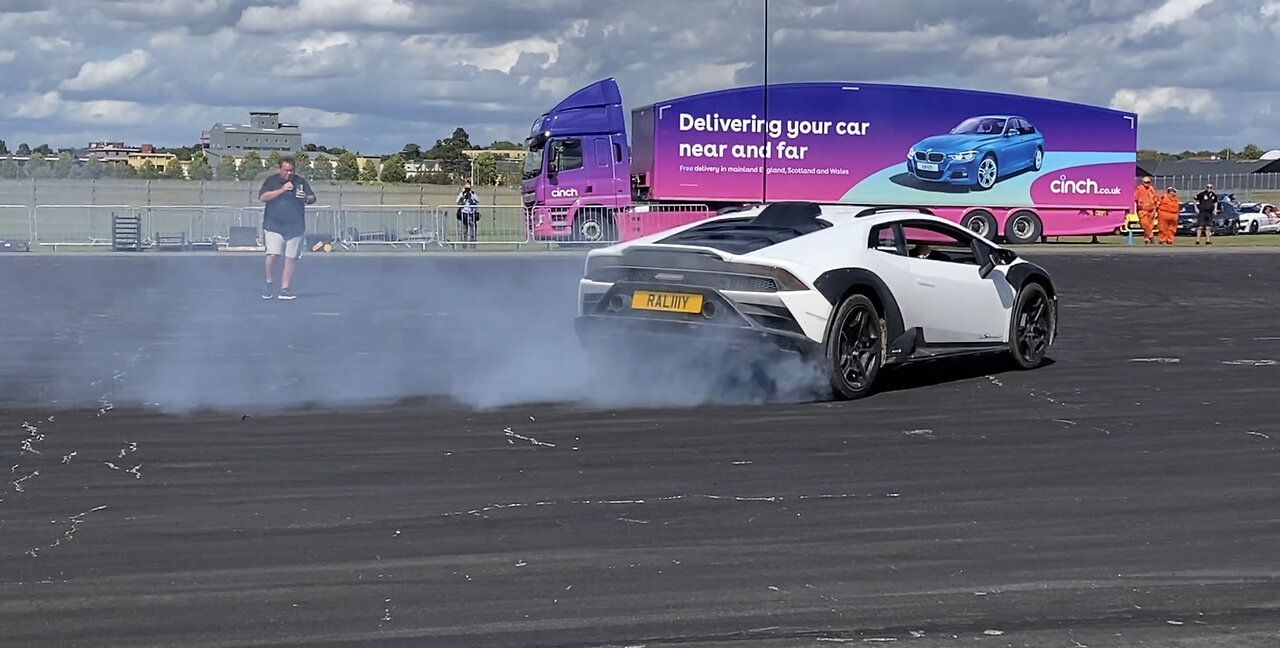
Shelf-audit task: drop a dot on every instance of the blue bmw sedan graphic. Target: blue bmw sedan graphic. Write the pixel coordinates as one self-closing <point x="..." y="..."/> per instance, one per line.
<point x="978" y="152"/>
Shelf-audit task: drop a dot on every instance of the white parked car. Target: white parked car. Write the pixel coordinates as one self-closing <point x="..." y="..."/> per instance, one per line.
<point x="849" y="288"/>
<point x="1259" y="218"/>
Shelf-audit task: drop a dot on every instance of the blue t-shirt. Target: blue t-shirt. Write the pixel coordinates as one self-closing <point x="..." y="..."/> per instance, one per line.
<point x="286" y="214"/>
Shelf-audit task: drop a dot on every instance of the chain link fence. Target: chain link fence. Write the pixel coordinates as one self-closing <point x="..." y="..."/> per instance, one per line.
<point x="1246" y="187"/>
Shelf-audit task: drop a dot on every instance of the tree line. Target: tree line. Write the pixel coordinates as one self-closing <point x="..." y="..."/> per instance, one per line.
<point x="315" y="161"/>
<point x="1249" y="152"/>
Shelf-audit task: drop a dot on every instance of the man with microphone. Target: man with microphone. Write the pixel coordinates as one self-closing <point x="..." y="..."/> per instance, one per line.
<point x="284" y="222"/>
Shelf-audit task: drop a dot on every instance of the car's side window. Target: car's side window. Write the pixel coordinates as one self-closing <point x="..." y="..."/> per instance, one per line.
<point x="937" y="243"/>
<point x="884" y="238"/>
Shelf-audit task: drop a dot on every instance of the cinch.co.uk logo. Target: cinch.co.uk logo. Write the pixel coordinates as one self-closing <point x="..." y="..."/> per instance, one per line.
<point x="1086" y="187"/>
<point x="564" y="193"/>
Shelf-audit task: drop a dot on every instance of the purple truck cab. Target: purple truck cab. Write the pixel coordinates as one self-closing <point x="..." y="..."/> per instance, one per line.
<point x="576" y="167"/>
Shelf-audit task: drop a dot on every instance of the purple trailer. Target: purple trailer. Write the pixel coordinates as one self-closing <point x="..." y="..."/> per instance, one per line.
<point x="1010" y="167"/>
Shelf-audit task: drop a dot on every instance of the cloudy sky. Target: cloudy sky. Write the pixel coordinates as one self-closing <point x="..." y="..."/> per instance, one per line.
<point x="374" y="74"/>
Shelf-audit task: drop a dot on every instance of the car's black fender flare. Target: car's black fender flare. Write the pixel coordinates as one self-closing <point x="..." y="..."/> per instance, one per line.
<point x="835" y="284"/>
<point x="1019" y="274"/>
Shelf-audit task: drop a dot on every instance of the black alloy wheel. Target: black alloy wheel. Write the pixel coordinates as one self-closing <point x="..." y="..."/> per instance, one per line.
<point x="855" y="348"/>
<point x="1033" y="323"/>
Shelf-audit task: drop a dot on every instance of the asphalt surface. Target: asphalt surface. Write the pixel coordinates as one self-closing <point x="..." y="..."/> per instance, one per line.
<point x="1124" y="495"/>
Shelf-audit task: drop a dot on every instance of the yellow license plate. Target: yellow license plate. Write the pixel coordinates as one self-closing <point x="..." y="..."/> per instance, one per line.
<point x="669" y="302"/>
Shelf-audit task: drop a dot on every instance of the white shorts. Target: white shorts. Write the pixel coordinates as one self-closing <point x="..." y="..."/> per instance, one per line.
<point x="278" y="246"/>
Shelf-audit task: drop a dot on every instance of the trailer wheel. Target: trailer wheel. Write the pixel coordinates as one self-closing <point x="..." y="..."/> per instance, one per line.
<point x="981" y="222"/>
<point x="1023" y="227"/>
<point x="594" y="225"/>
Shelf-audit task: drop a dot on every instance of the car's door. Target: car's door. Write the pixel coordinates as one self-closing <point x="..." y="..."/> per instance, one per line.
<point x="889" y="262"/>
<point x="1026" y="143"/>
<point x="953" y="302"/>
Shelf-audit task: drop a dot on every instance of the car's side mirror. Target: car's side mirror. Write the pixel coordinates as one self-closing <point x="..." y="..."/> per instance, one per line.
<point x="996" y="257"/>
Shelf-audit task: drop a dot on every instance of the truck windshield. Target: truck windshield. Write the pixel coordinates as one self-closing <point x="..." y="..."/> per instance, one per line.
<point x="532" y="162"/>
<point x="979" y="126"/>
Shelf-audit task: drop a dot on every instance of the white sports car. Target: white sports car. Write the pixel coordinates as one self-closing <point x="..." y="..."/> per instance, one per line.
<point x="1259" y="218"/>
<point x="849" y="288"/>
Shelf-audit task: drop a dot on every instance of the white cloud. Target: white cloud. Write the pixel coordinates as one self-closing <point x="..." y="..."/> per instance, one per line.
<point x="317" y="119"/>
<point x="1153" y="103"/>
<point x="51" y="105"/>
<point x="1171" y="12"/>
<point x="39" y="106"/>
<point x="94" y="75"/>
<point x="384" y="72"/>
<point x="312" y="14"/>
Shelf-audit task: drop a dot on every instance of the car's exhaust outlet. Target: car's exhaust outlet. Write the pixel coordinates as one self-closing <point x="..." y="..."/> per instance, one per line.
<point x="710" y="310"/>
<point x="617" y="303"/>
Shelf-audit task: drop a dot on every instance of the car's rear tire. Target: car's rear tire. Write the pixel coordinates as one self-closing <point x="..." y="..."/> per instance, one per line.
<point x="1032" y="326"/>
<point x="855" y="348"/>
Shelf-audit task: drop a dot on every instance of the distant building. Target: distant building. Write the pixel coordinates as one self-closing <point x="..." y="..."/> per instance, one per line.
<point x="147" y="153"/>
<point x="110" y="151"/>
<point x="264" y="134"/>
<point x="500" y="154"/>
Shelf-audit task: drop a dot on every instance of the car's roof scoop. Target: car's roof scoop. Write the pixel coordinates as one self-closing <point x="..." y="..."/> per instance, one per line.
<point x="788" y="214"/>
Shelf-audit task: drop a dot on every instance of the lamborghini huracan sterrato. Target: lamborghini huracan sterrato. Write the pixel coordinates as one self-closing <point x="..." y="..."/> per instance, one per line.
<point x="850" y="289"/>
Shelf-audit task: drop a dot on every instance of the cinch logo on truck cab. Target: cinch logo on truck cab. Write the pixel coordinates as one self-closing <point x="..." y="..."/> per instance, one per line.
<point x="564" y="193"/>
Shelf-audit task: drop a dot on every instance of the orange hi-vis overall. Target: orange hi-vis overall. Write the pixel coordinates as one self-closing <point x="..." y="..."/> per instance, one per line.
<point x="1167" y="207"/>
<point x="1145" y="197"/>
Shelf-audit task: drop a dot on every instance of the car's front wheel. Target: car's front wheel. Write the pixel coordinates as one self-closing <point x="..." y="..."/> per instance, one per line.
<point x="1031" y="326"/>
<point x="855" y="348"/>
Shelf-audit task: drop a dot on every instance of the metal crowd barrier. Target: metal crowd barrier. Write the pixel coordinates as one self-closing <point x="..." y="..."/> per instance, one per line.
<point x="15" y="224"/>
<point x="407" y="226"/>
<point x="497" y="225"/>
<point x="75" y="225"/>
<point x="641" y="220"/>
<point x="589" y="225"/>
<point x="321" y="222"/>
<point x="189" y="224"/>
<point x="348" y="227"/>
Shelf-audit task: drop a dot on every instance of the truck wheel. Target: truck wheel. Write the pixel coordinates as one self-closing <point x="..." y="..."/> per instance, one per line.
<point x="981" y="222"/>
<point x="988" y="171"/>
<point x="594" y="226"/>
<point x="1023" y="227"/>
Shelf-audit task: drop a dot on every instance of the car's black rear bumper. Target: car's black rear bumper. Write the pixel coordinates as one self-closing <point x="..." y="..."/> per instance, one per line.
<point x="641" y="334"/>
